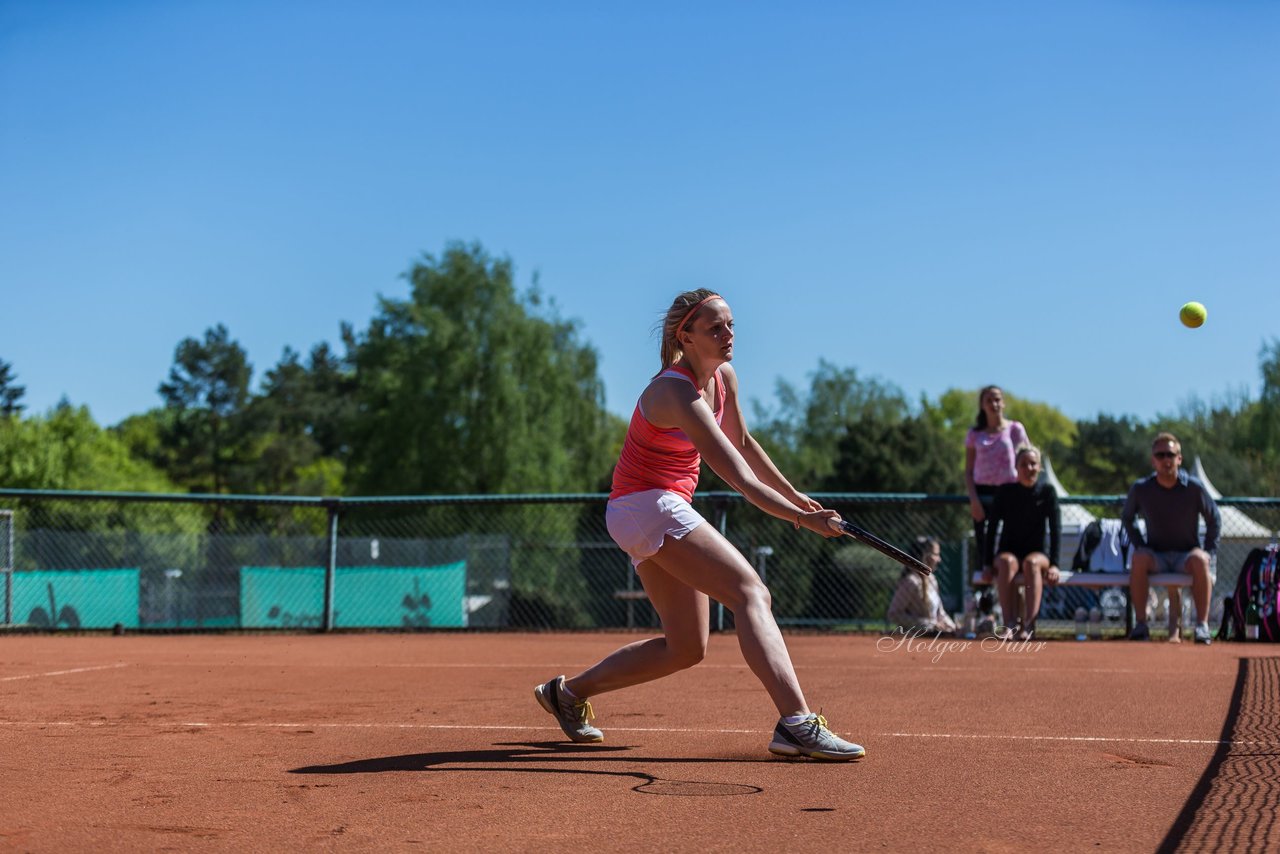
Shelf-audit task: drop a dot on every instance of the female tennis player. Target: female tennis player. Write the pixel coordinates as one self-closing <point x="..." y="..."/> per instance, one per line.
<point x="688" y="412"/>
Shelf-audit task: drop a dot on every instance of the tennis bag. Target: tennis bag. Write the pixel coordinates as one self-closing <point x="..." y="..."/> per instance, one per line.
<point x="1257" y="583"/>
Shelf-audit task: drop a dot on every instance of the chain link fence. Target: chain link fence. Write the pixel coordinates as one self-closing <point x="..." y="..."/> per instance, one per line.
<point x="102" y="561"/>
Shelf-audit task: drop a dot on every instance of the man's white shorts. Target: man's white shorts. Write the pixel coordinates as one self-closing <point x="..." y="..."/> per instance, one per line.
<point x="640" y="521"/>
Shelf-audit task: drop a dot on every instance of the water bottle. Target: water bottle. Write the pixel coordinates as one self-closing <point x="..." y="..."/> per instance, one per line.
<point x="1095" y="623"/>
<point x="1082" y="624"/>
<point x="970" y="616"/>
<point x="1251" y="620"/>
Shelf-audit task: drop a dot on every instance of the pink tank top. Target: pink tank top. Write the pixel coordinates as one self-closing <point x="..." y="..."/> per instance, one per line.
<point x="661" y="458"/>
<point x="995" y="454"/>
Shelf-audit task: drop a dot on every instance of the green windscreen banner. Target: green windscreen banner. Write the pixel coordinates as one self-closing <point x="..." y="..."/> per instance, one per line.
<point x="76" y="598"/>
<point x="363" y="597"/>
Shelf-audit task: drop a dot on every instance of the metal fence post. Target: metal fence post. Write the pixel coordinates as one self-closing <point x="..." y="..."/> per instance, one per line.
<point x="331" y="565"/>
<point x="6" y="565"/>
<point x="722" y="508"/>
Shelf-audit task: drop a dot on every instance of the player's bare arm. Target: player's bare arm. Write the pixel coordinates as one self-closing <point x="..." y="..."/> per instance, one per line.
<point x="675" y="404"/>
<point x="734" y="425"/>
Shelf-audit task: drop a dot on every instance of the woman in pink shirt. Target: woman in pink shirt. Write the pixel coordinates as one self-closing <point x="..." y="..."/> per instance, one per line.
<point x="990" y="450"/>
<point x="689" y="412"/>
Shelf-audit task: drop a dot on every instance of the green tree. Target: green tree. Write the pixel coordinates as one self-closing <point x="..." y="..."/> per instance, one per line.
<point x="10" y="393"/>
<point x="143" y="436"/>
<point x="282" y="444"/>
<point x="1237" y="438"/>
<point x="65" y="449"/>
<point x="1109" y="454"/>
<point x="803" y="433"/>
<point x="205" y="436"/>
<point x="1261" y="432"/>
<point x="301" y="420"/>
<point x="469" y="387"/>
<point x="315" y="399"/>
<point x="910" y="455"/>
<point x="1048" y="428"/>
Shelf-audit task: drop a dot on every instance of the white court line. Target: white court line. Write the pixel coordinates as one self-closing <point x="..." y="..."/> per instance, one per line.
<point x="55" y="723"/>
<point x="749" y="731"/>
<point x="1074" y="738"/>
<point x="457" y="726"/>
<point x="1099" y="739"/>
<point x="62" y="672"/>
<point x="923" y="666"/>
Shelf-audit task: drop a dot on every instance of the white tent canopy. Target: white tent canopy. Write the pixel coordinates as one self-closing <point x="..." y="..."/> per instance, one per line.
<point x="1235" y="524"/>
<point x="1074" y="516"/>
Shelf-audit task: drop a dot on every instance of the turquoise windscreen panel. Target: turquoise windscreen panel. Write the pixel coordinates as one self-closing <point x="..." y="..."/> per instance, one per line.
<point x="401" y="597"/>
<point x="281" y="598"/>
<point x="76" y="598"/>
<point x="363" y="597"/>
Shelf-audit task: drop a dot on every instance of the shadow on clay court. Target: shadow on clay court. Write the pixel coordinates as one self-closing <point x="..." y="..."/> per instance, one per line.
<point x="1232" y="807"/>
<point x="510" y="757"/>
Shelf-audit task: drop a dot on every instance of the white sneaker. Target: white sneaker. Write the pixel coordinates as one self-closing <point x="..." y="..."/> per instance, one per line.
<point x="572" y="715"/>
<point x="811" y="738"/>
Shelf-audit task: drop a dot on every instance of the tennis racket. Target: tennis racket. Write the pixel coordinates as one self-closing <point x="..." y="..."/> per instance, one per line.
<point x="867" y="538"/>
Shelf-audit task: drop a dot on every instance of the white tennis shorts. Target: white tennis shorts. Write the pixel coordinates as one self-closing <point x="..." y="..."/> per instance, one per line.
<point x="639" y="522"/>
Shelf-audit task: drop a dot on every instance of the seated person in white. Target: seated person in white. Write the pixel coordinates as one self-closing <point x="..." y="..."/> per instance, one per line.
<point x="917" y="605"/>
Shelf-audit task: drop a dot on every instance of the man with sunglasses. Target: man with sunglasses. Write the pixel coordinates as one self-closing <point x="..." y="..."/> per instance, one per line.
<point x="1172" y="503"/>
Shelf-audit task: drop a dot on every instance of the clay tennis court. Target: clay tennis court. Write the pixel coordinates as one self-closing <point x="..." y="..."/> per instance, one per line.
<point x="428" y="741"/>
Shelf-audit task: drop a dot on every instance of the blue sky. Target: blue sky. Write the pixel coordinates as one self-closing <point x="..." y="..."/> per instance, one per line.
<point x="938" y="194"/>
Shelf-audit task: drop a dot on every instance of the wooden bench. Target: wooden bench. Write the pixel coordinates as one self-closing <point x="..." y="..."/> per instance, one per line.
<point x="1099" y="580"/>
<point x="631" y="597"/>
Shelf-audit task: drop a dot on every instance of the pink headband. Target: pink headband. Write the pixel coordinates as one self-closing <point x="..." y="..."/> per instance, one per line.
<point x="697" y="305"/>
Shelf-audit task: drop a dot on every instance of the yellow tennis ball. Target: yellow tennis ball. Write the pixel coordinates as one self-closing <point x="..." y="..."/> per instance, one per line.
<point x="1192" y="315"/>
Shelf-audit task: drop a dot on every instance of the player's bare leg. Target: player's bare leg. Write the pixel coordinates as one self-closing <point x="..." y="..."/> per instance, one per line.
<point x="679" y="580"/>
<point x="705" y="560"/>
<point x="686" y="625"/>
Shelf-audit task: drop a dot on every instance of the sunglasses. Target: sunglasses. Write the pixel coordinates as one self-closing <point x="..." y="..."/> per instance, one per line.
<point x="1164" y="455"/>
